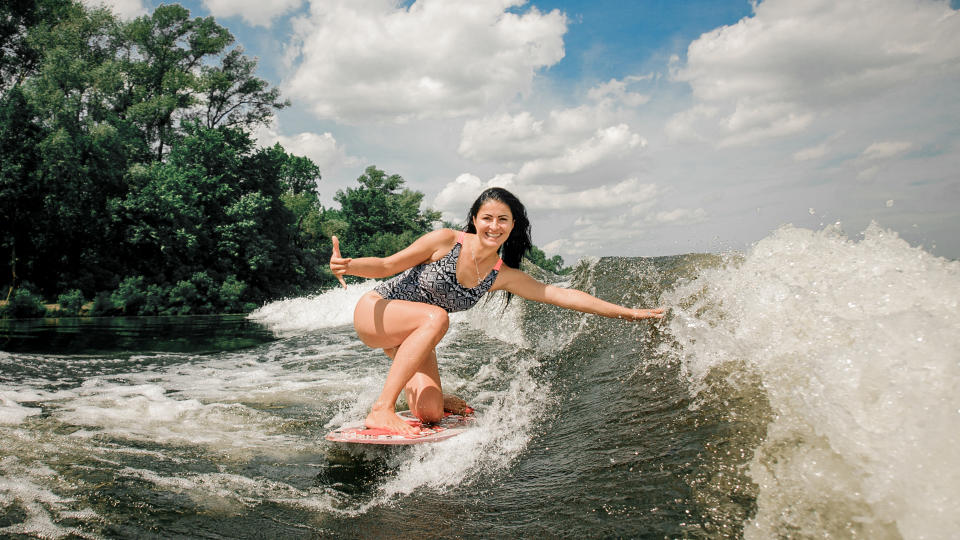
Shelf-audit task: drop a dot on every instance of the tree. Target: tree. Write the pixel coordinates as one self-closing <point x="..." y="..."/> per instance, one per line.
<point x="553" y="264"/>
<point x="233" y="96"/>
<point x="165" y="52"/>
<point x="379" y="212"/>
<point x="217" y="205"/>
<point x="21" y="195"/>
<point x="18" y="56"/>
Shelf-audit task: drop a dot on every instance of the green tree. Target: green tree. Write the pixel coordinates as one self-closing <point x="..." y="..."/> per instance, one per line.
<point x="217" y="205"/>
<point x="19" y="57"/>
<point x="233" y="96"/>
<point x="21" y="195"/>
<point x="165" y="51"/>
<point x="126" y="152"/>
<point x="379" y="212"/>
<point x="553" y="264"/>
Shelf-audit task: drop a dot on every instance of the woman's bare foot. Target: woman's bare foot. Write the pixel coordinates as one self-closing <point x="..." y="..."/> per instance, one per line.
<point x="453" y="404"/>
<point x="388" y="420"/>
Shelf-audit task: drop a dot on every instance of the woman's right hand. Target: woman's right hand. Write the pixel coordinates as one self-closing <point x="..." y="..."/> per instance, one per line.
<point x="338" y="264"/>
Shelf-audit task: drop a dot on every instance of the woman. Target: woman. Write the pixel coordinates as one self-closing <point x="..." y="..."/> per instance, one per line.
<point x="447" y="271"/>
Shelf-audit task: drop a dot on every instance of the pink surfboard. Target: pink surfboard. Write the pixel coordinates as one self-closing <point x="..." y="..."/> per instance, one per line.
<point x="451" y="426"/>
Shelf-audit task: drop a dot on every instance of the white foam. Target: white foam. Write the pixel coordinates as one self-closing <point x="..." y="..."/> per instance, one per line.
<point x="504" y="428"/>
<point x="24" y="484"/>
<point x="12" y="412"/>
<point x="855" y="345"/>
<point x="308" y="314"/>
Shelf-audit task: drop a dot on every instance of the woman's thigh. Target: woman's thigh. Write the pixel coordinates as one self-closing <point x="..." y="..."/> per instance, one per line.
<point x="385" y="324"/>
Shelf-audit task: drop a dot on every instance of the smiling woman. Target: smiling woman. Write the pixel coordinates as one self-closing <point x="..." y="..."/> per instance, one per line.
<point x="446" y="271"/>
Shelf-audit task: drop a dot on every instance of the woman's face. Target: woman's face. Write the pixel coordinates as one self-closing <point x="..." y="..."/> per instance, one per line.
<point x="493" y="222"/>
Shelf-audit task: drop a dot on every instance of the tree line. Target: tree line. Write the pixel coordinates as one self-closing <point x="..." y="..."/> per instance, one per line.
<point x="129" y="176"/>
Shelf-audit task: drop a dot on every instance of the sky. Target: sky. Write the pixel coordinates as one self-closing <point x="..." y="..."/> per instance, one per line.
<point x="633" y="128"/>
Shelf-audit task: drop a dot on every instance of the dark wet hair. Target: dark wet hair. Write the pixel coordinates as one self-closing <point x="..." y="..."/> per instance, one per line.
<point x="518" y="243"/>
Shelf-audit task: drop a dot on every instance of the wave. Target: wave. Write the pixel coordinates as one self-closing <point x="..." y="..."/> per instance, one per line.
<point x="853" y="346"/>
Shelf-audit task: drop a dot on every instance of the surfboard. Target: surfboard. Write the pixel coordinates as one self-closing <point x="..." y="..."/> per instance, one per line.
<point x="451" y="426"/>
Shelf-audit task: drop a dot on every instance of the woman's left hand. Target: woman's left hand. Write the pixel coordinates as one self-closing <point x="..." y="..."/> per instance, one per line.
<point x="639" y="314"/>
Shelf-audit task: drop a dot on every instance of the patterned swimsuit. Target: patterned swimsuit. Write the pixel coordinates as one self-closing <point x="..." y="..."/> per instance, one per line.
<point x="436" y="283"/>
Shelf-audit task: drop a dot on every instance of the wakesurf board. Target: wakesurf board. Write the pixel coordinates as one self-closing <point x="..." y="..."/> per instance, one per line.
<point x="451" y="426"/>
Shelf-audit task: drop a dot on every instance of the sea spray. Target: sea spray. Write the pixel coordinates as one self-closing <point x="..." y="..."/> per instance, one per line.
<point x="854" y="345"/>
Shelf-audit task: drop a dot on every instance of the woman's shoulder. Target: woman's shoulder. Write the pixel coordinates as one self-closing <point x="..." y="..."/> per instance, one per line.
<point x="443" y="236"/>
<point x="439" y="240"/>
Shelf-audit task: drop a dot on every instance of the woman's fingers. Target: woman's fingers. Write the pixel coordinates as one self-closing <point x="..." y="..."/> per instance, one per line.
<point x="336" y="246"/>
<point x="338" y="265"/>
<point x="655" y="313"/>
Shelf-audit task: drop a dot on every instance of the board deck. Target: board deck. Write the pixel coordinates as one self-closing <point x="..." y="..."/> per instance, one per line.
<point x="451" y="426"/>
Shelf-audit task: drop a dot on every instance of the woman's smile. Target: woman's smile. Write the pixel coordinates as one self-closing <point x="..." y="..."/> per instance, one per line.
<point x="493" y="223"/>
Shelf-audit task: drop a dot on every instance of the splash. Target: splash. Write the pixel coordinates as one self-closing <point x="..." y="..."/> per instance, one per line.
<point x="295" y="316"/>
<point x="854" y="344"/>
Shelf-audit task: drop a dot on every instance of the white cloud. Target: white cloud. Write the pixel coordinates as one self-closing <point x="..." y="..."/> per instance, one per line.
<point x="254" y="12"/>
<point x="321" y="148"/>
<point x="811" y="153"/>
<point x="506" y="138"/>
<point x="125" y="9"/>
<point x="355" y="61"/>
<point x="679" y="216"/>
<point x="616" y="90"/>
<point x="457" y="196"/>
<point x="630" y="192"/>
<point x="884" y="150"/>
<point x="774" y="73"/>
<point x="606" y="143"/>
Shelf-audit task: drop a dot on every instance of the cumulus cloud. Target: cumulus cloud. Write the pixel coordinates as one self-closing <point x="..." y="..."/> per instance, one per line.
<point x="254" y="12"/>
<point x="321" y="148"/>
<point x="506" y="138"/>
<point x="125" y="9"/>
<point x="615" y="90"/>
<point x="355" y="61"/>
<point x="773" y="73"/>
<point x="605" y="144"/>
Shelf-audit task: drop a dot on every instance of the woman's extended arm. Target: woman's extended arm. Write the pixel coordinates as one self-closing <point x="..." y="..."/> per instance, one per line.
<point x="521" y="284"/>
<point x="423" y="249"/>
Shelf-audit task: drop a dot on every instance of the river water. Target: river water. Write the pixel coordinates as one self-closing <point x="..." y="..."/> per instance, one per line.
<point x="806" y="388"/>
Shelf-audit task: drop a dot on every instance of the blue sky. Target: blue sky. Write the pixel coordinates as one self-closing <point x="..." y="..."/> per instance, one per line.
<point x="628" y="128"/>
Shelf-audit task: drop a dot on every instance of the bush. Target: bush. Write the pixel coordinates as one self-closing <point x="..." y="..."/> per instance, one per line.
<point x="181" y="298"/>
<point x="131" y="296"/>
<point x="207" y="293"/>
<point x="71" y="303"/>
<point x="231" y="291"/>
<point x="103" y="305"/>
<point x="23" y="304"/>
<point x="155" y="300"/>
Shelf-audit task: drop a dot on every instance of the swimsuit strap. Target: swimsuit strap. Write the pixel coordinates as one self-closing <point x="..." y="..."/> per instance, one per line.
<point x="497" y="267"/>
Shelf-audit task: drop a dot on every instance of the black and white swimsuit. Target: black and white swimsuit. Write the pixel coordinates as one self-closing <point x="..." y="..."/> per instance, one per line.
<point x="436" y="283"/>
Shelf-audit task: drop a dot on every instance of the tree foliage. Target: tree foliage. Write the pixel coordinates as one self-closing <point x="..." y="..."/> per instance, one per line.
<point x="126" y="163"/>
<point x="381" y="216"/>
